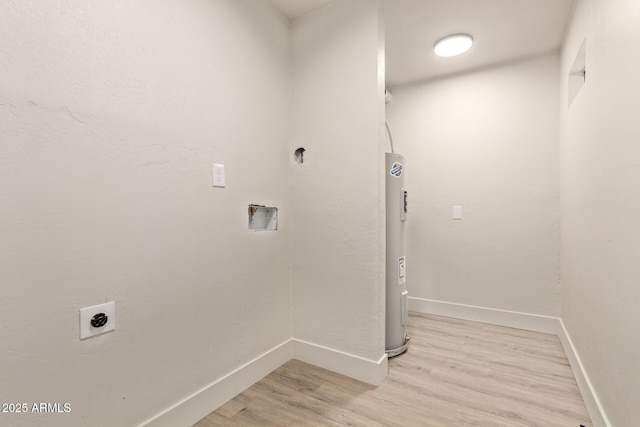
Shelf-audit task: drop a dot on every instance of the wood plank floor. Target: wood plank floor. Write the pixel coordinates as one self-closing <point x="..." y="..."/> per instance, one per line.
<point x="456" y="373"/>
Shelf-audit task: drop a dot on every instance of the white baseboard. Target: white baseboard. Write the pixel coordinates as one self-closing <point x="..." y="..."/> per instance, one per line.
<point x="193" y="408"/>
<point x="199" y="404"/>
<point x="512" y="319"/>
<point x="591" y="401"/>
<point x="368" y="371"/>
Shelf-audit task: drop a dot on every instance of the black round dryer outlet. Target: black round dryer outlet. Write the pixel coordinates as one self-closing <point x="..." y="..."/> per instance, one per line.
<point x="99" y="320"/>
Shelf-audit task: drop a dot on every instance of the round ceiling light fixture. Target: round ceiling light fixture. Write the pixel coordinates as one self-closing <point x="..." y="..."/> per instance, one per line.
<point x="453" y="45"/>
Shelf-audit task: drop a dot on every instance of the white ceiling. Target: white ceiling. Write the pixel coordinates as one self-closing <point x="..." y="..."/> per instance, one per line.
<point x="504" y="30"/>
<point x="294" y="8"/>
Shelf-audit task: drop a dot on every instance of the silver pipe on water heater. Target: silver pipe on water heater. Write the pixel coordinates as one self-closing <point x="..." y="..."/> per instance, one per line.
<point x="387" y="99"/>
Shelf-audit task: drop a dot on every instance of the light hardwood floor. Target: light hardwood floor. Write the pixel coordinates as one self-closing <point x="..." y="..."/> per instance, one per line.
<point x="456" y="373"/>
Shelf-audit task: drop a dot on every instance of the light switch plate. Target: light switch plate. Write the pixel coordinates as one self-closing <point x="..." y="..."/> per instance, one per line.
<point x="218" y="175"/>
<point x="457" y="212"/>
<point x="87" y="313"/>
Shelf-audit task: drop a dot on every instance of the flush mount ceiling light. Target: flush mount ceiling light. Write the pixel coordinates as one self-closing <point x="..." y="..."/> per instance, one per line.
<point x="453" y="45"/>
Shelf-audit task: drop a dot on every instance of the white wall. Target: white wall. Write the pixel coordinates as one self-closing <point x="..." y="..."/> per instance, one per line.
<point x="111" y="114"/>
<point x="600" y="203"/>
<point x="338" y="284"/>
<point x="488" y="141"/>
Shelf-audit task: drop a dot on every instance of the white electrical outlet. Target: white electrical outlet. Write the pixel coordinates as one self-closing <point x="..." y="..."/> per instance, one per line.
<point x="97" y="319"/>
<point x="218" y="175"/>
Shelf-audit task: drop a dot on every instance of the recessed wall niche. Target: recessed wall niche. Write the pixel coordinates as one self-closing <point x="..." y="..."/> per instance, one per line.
<point x="263" y="218"/>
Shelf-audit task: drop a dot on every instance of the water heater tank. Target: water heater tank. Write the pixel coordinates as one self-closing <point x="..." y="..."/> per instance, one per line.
<point x="396" y="293"/>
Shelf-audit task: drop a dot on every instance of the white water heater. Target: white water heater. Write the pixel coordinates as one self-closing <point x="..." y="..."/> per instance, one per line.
<point x="396" y="341"/>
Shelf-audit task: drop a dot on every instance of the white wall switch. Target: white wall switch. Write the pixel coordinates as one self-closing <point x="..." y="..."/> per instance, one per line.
<point x="218" y="175"/>
<point x="97" y="319"/>
<point x="457" y="212"/>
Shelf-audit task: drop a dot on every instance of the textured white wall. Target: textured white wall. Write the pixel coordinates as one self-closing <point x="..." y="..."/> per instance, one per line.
<point x="338" y="285"/>
<point x="487" y="141"/>
<point x="600" y="202"/>
<point x="111" y="114"/>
